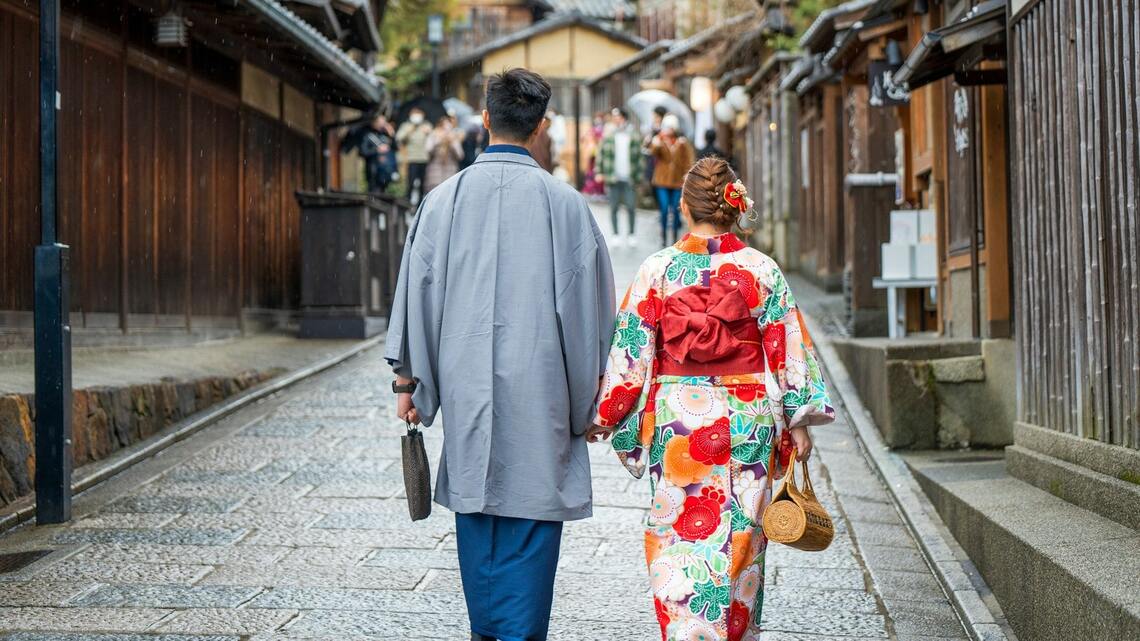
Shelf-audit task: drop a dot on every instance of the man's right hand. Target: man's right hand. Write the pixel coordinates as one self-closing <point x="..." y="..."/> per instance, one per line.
<point x="406" y="410"/>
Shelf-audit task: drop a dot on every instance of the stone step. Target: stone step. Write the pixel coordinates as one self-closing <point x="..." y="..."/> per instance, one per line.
<point x="1109" y="497"/>
<point x="1059" y="571"/>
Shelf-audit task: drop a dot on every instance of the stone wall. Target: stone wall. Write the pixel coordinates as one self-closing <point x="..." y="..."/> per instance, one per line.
<point x="934" y="394"/>
<point x="106" y="419"/>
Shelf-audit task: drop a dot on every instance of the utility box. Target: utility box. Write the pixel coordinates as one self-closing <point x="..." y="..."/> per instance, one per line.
<point x="350" y="258"/>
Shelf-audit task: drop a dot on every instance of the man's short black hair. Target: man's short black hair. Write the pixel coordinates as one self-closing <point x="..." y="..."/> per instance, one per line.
<point x="516" y="101"/>
<point x="710" y="136"/>
<point x="622" y="112"/>
<point x="660" y="111"/>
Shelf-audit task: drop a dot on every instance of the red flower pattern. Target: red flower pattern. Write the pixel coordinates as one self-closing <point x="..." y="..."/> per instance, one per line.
<point x="711" y="445"/>
<point x="730" y="243"/>
<point x="618" y="404"/>
<point x="699" y="520"/>
<point x="714" y="494"/>
<point x="743" y="280"/>
<point x="650" y="309"/>
<point x="662" y="617"/>
<point x="737" y="621"/>
<point x="748" y="392"/>
<point x="774" y="346"/>
<point x="784" y="453"/>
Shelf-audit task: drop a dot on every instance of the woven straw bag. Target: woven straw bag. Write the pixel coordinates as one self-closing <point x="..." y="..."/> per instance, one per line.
<point x="794" y="516"/>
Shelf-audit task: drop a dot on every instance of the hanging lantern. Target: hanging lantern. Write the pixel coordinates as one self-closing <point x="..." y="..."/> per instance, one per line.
<point x="172" y="30"/>
<point x="737" y="97"/>
<point x="723" y="111"/>
<point x="700" y="93"/>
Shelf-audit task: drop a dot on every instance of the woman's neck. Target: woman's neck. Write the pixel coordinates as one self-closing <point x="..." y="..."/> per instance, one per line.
<point x="708" y="230"/>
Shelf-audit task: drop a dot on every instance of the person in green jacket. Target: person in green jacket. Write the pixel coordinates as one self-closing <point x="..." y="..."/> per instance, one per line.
<point x="619" y="168"/>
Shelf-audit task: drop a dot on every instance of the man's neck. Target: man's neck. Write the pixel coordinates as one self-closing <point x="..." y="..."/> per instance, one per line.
<point x="495" y="140"/>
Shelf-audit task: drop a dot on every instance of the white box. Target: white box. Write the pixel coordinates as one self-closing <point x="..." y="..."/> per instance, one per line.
<point x="926" y="261"/>
<point x="904" y="227"/>
<point x="897" y="261"/>
<point x="927" y="227"/>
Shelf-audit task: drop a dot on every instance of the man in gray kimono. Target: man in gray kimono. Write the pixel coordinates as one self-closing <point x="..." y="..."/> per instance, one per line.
<point x="502" y="321"/>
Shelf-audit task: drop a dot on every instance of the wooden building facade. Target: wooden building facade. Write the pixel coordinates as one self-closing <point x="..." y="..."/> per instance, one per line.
<point x="1075" y="188"/>
<point x="819" y="201"/>
<point x="177" y="166"/>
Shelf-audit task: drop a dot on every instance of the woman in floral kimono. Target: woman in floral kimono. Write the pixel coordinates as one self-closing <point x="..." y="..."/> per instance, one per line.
<point x="710" y="367"/>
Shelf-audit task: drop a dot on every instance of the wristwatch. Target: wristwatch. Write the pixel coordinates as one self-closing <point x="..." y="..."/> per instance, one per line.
<point x="403" y="389"/>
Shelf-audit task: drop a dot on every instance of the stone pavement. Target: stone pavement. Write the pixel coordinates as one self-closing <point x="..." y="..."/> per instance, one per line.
<point x="286" y="521"/>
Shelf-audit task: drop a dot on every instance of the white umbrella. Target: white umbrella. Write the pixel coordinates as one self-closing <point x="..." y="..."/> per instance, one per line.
<point x="643" y="103"/>
<point x="458" y="108"/>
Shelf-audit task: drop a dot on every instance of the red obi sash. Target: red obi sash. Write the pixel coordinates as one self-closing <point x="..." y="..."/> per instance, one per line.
<point x="708" y="331"/>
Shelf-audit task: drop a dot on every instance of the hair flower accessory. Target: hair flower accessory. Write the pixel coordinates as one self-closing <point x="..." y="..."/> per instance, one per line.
<point x="736" y="194"/>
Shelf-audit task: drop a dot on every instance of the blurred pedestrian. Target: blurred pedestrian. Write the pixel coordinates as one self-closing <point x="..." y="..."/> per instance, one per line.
<point x="674" y="156"/>
<point x="710" y="149"/>
<point x="445" y="150"/>
<point x="619" y="167"/>
<point x="474" y="140"/>
<point x="378" y="149"/>
<point x="542" y="147"/>
<point x="412" y="136"/>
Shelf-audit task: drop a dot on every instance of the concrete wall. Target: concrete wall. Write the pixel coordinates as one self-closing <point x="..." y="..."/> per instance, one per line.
<point x="935" y="394"/>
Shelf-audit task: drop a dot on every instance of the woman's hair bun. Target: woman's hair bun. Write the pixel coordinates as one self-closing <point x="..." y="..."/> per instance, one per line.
<point x="704" y="192"/>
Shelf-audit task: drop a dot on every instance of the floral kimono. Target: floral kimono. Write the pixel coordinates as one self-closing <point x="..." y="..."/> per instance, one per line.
<point x="710" y="365"/>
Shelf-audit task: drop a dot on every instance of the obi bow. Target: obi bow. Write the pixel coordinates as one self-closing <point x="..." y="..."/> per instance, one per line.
<point x="697" y="323"/>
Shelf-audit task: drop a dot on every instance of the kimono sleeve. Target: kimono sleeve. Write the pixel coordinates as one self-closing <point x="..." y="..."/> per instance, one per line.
<point x="632" y="351"/>
<point x="585" y="309"/>
<point x="412" y="346"/>
<point x="791" y="358"/>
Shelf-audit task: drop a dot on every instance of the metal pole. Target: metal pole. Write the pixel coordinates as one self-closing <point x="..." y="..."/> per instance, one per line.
<point x="52" y="329"/>
<point x="578" y="135"/>
<point x="435" y="71"/>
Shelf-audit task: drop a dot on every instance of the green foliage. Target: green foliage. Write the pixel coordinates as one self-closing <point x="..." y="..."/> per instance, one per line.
<point x="407" y="56"/>
<point x="1130" y="476"/>
<point x="801" y="16"/>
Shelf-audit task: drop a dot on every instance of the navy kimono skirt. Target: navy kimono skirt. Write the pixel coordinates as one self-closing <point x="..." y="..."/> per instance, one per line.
<point x="508" y="566"/>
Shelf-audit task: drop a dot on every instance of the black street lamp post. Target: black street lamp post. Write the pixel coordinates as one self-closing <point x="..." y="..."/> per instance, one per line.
<point x="435" y="39"/>
<point x="52" y="327"/>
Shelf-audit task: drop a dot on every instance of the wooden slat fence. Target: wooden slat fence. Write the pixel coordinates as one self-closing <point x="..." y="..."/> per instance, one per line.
<point x="1075" y="74"/>
<point x="176" y="200"/>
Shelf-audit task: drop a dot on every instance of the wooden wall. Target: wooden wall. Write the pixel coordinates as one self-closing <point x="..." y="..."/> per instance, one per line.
<point x="820" y="207"/>
<point x="1076" y="239"/>
<point x="177" y="202"/>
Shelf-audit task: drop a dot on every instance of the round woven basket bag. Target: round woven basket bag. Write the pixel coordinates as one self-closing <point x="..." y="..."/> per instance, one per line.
<point x="795" y="516"/>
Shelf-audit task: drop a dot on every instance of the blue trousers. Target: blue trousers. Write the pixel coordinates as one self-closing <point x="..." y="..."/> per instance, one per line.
<point x="508" y="567"/>
<point x="669" y="202"/>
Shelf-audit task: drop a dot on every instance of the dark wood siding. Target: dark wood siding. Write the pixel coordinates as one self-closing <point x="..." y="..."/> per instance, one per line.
<point x="19" y="145"/>
<point x="152" y="172"/>
<point x="1075" y="189"/>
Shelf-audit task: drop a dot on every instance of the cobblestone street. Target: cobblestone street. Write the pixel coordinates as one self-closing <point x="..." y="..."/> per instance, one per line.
<point x="286" y="521"/>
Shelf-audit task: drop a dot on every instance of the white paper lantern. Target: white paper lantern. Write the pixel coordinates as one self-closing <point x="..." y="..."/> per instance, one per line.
<point x="724" y="111"/>
<point x="700" y="93"/>
<point x="737" y="97"/>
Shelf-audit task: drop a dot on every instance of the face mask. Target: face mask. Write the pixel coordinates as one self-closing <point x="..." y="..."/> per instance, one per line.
<point x="416" y="119"/>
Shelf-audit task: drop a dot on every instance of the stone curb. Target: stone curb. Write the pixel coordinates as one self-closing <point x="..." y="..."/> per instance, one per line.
<point x="946" y="559"/>
<point x="92" y="474"/>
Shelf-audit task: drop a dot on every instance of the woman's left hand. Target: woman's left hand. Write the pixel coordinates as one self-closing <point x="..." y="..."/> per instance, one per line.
<point x="802" y="440"/>
<point x="596" y="433"/>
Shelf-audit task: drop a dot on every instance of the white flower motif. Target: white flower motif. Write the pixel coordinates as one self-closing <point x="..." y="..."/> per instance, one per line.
<point x="667" y="579"/>
<point x="748" y="585"/>
<point x="751" y="492"/>
<point x="668" y="502"/>
<point x="696" y="405"/>
<point x="697" y="630"/>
